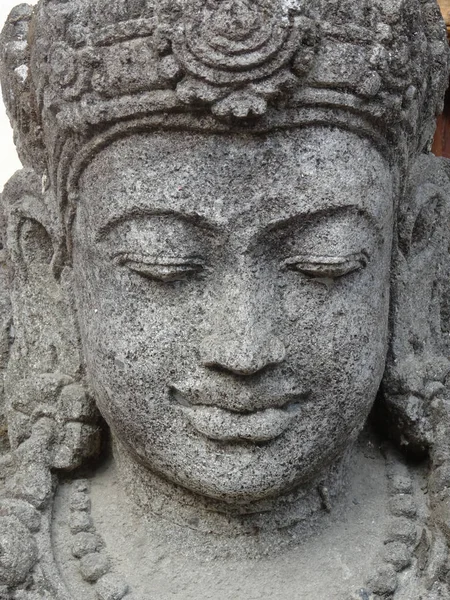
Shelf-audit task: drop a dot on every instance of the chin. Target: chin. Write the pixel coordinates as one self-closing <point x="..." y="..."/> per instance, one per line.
<point x="235" y="484"/>
<point x="237" y="492"/>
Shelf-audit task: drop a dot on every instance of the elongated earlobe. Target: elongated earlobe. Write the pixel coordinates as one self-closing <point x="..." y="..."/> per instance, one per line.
<point x="34" y="234"/>
<point x="44" y="374"/>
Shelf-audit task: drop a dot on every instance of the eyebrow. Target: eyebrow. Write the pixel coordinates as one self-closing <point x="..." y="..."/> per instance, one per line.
<point x="326" y="212"/>
<point x="139" y="212"/>
<point x="203" y="222"/>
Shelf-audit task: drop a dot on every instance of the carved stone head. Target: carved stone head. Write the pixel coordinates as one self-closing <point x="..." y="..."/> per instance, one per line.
<point x="228" y="243"/>
<point x="224" y="228"/>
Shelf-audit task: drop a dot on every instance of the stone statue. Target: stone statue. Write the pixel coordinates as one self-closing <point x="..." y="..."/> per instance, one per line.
<point x="224" y="338"/>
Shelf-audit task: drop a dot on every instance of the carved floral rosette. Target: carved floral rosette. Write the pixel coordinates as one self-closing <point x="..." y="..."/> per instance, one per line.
<point x="238" y="54"/>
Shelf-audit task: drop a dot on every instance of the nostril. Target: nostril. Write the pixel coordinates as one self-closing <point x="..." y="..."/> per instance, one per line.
<point x="242" y="357"/>
<point x="178" y="397"/>
<point x="235" y="369"/>
<point x="214" y="366"/>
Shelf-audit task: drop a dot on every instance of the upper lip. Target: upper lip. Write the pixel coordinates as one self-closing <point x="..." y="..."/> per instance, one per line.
<point x="236" y="410"/>
<point x="237" y="397"/>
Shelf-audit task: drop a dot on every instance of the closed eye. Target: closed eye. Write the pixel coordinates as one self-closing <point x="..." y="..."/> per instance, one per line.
<point x="164" y="269"/>
<point x="326" y="266"/>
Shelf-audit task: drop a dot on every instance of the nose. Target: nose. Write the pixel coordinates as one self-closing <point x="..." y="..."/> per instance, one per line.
<point x="245" y="354"/>
<point x="242" y="341"/>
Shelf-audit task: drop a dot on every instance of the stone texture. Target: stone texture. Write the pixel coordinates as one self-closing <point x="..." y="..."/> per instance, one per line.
<point x="402" y="530"/>
<point x="80" y="502"/>
<point x="227" y="246"/>
<point x="385" y="581"/>
<point x="398" y="555"/>
<point x="85" y="543"/>
<point x="93" y="566"/>
<point x="18" y="552"/>
<point x="111" y="587"/>
<point x="80" y="521"/>
<point x="5" y="321"/>
<point x="403" y="505"/>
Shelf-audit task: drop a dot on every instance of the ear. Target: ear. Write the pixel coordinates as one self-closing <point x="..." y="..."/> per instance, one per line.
<point x="34" y="243"/>
<point x="417" y="366"/>
<point x="44" y="373"/>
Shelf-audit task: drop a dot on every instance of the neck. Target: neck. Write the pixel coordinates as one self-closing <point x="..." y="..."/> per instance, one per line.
<point x="299" y="508"/>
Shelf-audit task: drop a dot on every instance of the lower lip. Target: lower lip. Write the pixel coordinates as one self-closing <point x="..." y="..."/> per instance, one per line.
<point x="225" y="426"/>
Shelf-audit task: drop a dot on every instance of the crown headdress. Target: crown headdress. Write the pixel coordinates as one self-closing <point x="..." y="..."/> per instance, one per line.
<point x="70" y="70"/>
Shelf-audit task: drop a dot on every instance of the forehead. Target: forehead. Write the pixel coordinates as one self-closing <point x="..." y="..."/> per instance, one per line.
<point x="226" y="178"/>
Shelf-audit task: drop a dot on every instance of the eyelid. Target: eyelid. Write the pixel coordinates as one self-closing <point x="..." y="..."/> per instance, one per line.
<point x="154" y="259"/>
<point x="160" y="268"/>
<point x="326" y="266"/>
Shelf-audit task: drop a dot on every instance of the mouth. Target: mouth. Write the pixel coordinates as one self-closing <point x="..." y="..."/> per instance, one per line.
<point x="224" y="425"/>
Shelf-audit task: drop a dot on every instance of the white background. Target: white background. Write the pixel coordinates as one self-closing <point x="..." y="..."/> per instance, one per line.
<point x="9" y="162"/>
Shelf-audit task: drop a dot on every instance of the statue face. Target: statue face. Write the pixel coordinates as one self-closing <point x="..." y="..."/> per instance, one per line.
<point x="233" y="299"/>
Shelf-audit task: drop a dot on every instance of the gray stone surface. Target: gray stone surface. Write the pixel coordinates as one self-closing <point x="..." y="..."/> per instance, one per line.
<point x="227" y="248"/>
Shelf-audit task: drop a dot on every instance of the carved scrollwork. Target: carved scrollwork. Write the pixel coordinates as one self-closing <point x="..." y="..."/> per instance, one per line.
<point x="224" y="46"/>
<point x="235" y="42"/>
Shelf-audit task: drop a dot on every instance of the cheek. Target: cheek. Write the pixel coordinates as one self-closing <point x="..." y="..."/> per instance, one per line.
<point x="135" y="331"/>
<point x="337" y="336"/>
<point x="337" y="346"/>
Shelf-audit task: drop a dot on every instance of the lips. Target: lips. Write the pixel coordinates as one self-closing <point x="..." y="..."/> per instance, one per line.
<point x="234" y="395"/>
<point x="229" y="410"/>
<point x="226" y="426"/>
